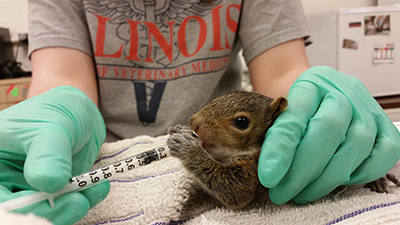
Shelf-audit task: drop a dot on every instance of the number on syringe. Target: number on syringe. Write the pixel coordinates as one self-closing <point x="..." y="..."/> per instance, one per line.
<point x="141" y="155"/>
<point x="82" y="183"/>
<point x="161" y="154"/>
<point x="128" y="160"/>
<point x="131" y="167"/>
<point x="121" y="170"/>
<point x="107" y="175"/>
<point x="95" y="179"/>
<point x="142" y="163"/>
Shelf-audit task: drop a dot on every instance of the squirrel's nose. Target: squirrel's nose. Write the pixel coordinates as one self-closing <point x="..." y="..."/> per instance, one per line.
<point x="191" y="121"/>
<point x="194" y="123"/>
<point x="195" y="128"/>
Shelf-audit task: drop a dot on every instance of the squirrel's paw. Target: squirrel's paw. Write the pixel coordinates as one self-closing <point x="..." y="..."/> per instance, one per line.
<point x="381" y="185"/>
<point x="179" y="129"/>
<point x="183" y="141"/>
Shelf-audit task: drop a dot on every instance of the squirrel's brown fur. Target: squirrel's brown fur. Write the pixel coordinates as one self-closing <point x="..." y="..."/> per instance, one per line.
<point x="222" y="156"/>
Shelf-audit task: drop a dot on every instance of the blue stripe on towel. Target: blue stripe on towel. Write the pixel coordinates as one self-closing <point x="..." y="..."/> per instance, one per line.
<point x="119" y="220"/>
<point x="123" y="150"/>
<point x="361" y="211"/>
<point x="178" y="222"/>
<point x="145" y="177"/>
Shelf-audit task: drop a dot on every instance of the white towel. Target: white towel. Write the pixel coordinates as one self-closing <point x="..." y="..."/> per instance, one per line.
<point x="9" y="218"/>
<point x="156" y="194"/>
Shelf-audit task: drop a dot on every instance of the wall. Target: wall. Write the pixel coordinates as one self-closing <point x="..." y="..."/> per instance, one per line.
<point x="388" y="2"/>
<point x="14" y="16"/>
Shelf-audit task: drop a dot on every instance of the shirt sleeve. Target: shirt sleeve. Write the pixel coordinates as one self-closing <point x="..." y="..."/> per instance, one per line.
<point x="58" y="24"/>
<point x="267" y="23"/>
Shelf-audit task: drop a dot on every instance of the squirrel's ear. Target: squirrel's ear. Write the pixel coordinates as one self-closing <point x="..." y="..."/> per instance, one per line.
<point x="278" y="106"/>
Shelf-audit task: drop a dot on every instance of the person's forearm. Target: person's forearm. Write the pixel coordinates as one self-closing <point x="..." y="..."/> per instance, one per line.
<point x="52" y="67"/>
<point x="277" y="86"/>
<point x="274" y="71"/>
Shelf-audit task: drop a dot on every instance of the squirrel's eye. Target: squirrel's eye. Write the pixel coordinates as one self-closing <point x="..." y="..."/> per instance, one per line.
<point x="241" y="123"/>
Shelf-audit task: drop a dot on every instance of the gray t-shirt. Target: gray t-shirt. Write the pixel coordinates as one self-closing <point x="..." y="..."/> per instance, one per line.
<point x="159" y="61"/>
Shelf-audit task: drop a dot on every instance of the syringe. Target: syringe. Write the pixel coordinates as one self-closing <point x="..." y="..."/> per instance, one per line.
<point x="90" y="179"/>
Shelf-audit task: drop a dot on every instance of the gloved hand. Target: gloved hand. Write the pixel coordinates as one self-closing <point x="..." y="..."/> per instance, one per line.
<point x="333" y="133"/>
<point x="44" y="141"/>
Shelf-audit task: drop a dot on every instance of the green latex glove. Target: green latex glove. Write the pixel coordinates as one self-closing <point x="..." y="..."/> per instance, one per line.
<point x="44" y="141"/>
<point x="333" y="133"/>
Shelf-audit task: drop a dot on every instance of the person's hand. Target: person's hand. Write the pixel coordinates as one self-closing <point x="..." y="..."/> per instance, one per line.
<point x="44" y="141"/>
<point x="333" y="133"/>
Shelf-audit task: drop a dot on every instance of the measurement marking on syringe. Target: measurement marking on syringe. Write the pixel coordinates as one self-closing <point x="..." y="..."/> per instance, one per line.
<point x="125" y="165"/>
<point x="89" y="179"/>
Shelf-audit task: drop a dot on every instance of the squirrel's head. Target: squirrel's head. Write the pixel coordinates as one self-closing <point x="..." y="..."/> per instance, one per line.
<point x="235" y="123"/>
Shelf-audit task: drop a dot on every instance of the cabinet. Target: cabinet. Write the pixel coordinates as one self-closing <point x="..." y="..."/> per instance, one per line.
<point x="13" y="91"/>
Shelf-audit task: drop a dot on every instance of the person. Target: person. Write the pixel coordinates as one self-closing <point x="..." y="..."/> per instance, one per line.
<point x="147" y="65"/>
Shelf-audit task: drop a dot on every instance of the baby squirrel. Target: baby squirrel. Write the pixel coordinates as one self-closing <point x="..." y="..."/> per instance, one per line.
<point x="222" y="148"/>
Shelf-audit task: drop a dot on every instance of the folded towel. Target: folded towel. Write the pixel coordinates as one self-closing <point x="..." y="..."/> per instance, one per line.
<point x="9" y="218"/>
<point x="161" y="193"/>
